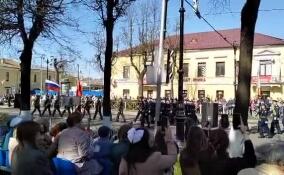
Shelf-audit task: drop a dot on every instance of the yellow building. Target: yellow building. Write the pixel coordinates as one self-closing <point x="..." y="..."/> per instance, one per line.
<point x="209" y="64"/>
<point x="10" y="76"/>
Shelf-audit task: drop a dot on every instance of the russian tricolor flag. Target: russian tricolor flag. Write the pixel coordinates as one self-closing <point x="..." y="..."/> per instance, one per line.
<point x="52" y="86"/>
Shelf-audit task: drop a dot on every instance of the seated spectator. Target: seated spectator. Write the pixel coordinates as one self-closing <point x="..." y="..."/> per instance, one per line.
<point x="120" y="149"/>
<point x="141" y="158"/>
<point x="102" y="149"/>
<point x="196" y="154"/>
<point x="27" y="158"/>
<point x="223" y="164"/>
<point x="74" y="144"/>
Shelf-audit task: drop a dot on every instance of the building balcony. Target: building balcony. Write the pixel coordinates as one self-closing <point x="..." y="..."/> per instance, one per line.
<point x="266" y="79"/>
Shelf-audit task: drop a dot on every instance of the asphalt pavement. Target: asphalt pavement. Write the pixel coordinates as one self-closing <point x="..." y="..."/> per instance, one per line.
<point x="130" y="115"/>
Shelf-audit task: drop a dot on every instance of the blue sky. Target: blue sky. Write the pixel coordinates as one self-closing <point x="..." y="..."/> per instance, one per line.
<point x="270" y="22"/>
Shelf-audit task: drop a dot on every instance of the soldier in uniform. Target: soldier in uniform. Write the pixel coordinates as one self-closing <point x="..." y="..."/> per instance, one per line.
<point x="275" y="119"/>
<point x="145" y="113"/>
<point x="281" y="112"/>
<point x="67" y="106"/>
<point x="98" y="109"/>
<point x="37" y="105"/>
<point x="57" y="106"/>
<point x="263" y="121"/>
<point x="87" y="107"/>
<point x="140" y="109"/>
<point x="120" y="110"/>
<point x="152" y="104"/>
<point x="47" y="105"/>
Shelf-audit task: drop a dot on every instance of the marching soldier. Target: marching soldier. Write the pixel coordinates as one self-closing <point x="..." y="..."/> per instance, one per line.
<point x="152" y="104"/>
<point x="67" y="106"/>
<point x="120" y="110"/>
<point x="263" y="121"/>
<point x="37" y="105"/>
<point x="98" y="109"/>
<point x="145" y="113"/>
<point x="275" y="119"/>
<point x="57" y="106"/>
<point x="47" y="105"/>
<point x="140" y="109"/>
<point x="87" y="107"/>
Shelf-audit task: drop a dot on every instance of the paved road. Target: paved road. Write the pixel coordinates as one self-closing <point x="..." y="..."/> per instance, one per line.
<point x="130" y="115"/>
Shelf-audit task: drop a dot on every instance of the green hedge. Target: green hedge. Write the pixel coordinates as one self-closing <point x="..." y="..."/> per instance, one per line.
<point x="130" y="104"/>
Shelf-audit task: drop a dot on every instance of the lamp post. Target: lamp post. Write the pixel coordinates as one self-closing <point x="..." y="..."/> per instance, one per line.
<point x="47" y="62"/>
<point x="235" y="70"/>
<point x="180" y="113"/>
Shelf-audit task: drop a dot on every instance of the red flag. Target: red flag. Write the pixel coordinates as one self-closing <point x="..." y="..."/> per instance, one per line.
<point x="79" y="89"/>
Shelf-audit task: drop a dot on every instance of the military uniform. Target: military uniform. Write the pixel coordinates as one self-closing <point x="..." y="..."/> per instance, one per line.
<point x="37" y="105"/>
<point x="47" y="105"/>
<point x="57" y="107"/>
<point x="98" y="110"/>
<point x="120" y="111"/>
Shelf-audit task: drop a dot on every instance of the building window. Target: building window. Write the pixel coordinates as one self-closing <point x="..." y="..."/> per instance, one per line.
<point x="49" y="77"/>
<point x="7" y="76"/>
<point x="126" y="71"/>
<point x="167" y="93"/>
<point x="265" y="67"/>
<point x="201" y="94"/>
<point x="201" y="69"/>
<point x="150" y="93"/>
<point x="185" y="70"/>
<point x="34" y="78"/>
<point x="125" y="93"/>
<point x="220" y="69"/>
<point x="219" y="94"/>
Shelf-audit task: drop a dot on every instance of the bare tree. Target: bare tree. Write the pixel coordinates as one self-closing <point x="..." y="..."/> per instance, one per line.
<point x="248" y="20"/>
<point x="109" y="11"/>
<point x="145" y="24"/>
<point x="99" y="45"/>
<point x="28" y="20"/>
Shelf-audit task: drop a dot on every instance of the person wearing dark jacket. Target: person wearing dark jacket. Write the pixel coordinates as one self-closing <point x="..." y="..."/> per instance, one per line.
<point x="198" y="159"/>
<point x="47" y="105"/>
<point x="222" y="164"/>
<point x="57" y="107"/>
<point x="120" y="149"/>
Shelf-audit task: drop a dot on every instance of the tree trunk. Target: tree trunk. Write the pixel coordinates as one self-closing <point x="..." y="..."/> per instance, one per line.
<point x="248" y="21"/>
<point x="57" y="75"/>
<point x="109" y="24"/>
<point x="140" y="85"/>
<point x="26" y="58"/>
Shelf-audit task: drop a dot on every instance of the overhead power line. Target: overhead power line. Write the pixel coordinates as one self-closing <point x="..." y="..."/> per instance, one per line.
<point x="220" y="34"/>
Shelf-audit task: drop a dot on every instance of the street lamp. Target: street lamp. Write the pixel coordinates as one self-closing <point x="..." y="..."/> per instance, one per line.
<point x="180" y="113"/>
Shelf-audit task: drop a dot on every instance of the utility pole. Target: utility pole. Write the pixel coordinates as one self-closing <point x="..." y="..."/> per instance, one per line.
<point x="47" y="62"/>
<point x="41" y="84"/>
<point x="78" y="72"/>
<point x="180" y="113"/>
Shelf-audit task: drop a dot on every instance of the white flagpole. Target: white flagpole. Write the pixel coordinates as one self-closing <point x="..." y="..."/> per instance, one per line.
<point x="160" y="61"/>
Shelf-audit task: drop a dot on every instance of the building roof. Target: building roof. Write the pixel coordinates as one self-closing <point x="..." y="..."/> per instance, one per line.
<point x="211" y="40"/>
